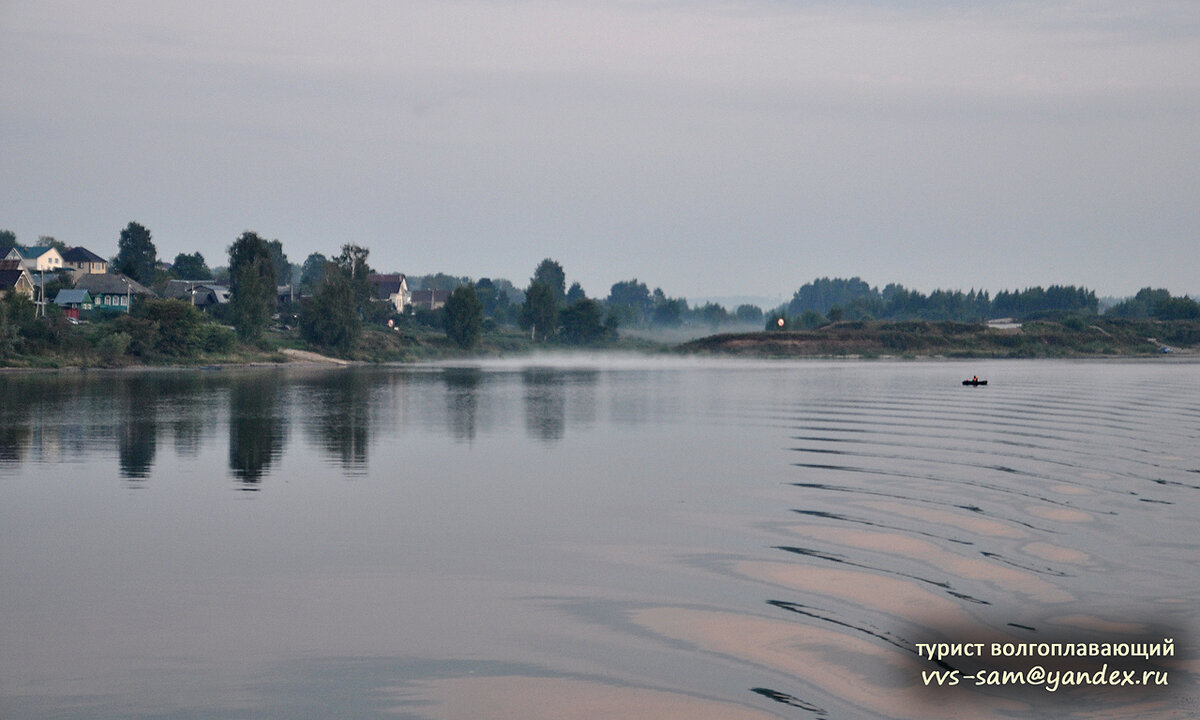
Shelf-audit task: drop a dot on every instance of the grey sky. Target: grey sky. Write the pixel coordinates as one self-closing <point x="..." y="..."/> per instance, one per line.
<point x="711" y="148"/>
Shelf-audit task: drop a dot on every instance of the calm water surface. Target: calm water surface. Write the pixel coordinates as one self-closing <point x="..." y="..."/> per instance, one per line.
<point x="582" y="538"/>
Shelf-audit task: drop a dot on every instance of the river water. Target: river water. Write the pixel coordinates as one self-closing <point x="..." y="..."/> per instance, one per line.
<point x="601" y="537"/>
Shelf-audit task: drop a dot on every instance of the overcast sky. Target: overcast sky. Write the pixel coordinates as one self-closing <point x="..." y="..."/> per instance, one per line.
<point x="710" y="148"/>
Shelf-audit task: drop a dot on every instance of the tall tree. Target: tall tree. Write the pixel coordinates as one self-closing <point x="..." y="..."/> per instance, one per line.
<point x="279" y="260"/>
<point x="464" y="316"/>
<point x="136" y="254"/>
<point x="191" y="267"/>
<point x="252" y="283"/>
<point x="575" y="293"/>
<point x="540" y="311"/>
<point x="8" y="241"/>
<point x="550" y="274"/>
<point x="312" y="271"/>
<point x="353" y="262"/>
<point x="51" y="241"/>
<point x="330" y="317"/>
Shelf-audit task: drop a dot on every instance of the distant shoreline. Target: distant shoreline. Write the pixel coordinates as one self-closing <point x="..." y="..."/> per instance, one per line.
<point x="860" y="340"/>
<point x="951" y="340"/>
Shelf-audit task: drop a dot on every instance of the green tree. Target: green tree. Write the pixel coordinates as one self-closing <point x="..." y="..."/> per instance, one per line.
<point x="748" y="314"/>
<point x="712" y="314"/>
<point x="668" y="311"/>
<point x="575" y="293"/>
<point x="464" y="316"/>
<point x="437" y="281"/>
<point x="176" y="326"/>
<point x="583" y="322"/>
<point x="630" y="301"/>
<point x="252" y="284"/>
<point x="8" y="241"/>
<point x="312" y="271"/>
<point x="810" y="319"/>
<point x="51" y="241"/>
<point x="330" y="317"/>
<point x="540" y="311"/>
<point x="550" y="274"/>
<point x="279" y="260"/>
<point x="353" y="262"/>
<point x="136" y="255"/>
<point x="1177" y="308"/>
<point x="191" y="267"/>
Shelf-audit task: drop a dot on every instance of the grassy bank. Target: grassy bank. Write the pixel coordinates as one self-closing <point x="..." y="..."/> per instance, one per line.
<point x="1072" y="337"/>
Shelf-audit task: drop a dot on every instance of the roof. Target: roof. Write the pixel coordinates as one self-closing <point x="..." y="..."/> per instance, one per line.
<point x="11" y="265"/>
<point x="10" y="278"/>
<point x="111" y="284"/>
<point x="180" y="288"/>
<point x="183" y="289"/>
<point x="429" y="297"/>
<point x="81" y="255"/>
<point x="72" y="296"/>
<point x="387" y="285"/>
<point x="30" y="253"/>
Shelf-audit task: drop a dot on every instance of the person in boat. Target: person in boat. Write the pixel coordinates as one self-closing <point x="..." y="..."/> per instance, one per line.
<point x="975" y="378"/>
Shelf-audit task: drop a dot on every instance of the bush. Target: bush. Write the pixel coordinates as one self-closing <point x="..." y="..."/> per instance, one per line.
<point x="113" y="345"/>
<point x="177" y="326"/>
<point x="216" y="338"/>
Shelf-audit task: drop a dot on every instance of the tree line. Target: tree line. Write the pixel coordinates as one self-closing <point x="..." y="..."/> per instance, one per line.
<point x="336" y="302"/>
<point x="832" y="299"/>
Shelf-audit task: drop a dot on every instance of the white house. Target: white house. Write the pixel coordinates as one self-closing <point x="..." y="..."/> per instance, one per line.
<point x="38" y="258"/>
<point x="393" y="288"/>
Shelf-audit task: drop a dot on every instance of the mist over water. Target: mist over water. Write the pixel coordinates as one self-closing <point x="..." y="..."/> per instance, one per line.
<point x="570" y="536"/>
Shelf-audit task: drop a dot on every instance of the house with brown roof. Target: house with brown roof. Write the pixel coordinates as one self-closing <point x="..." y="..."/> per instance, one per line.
<point x="82" y="261"/>
<point x="14" y="277"/>
<point x="392" y="287"/>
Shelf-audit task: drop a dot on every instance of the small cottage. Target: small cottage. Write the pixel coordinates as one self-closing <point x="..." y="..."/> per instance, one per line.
<point x="73" y="301"/>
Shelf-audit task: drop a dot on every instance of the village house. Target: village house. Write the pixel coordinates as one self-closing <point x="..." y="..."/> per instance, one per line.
<point x="391" y="287"/>
<point x="112" y="291"/>
<point x="37" y="259"/>
<point x="429" y="299"/>
<point x="15" y="278"/>
<point x="73" y="301"/>
<point x="203" y="294"/>
<point x="82" y="261"/>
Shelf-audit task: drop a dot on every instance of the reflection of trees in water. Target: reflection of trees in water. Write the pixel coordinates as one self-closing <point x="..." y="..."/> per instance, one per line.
<point x="137" y="432"/>
<point x="545" y="403"/>
<point x="192" y="415"/>
<point x="257" y="426"/>
<point x="16" y="412"/>
<point x="146" y="402"/>
<point x="546" y="400"/>
<point x="546" y="393"/>
<point x="338" y="414"/>
<point x="185" y="405"/>
<point x="462" y="401"/>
